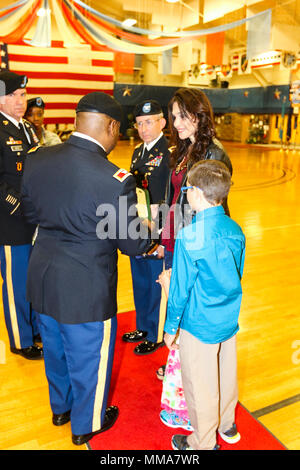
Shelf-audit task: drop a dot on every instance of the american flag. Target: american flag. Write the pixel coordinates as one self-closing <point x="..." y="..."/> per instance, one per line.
<point x="60" y="75"/>
<point x="3" y="57"/>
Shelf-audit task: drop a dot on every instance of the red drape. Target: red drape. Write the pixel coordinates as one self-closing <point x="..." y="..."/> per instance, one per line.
<point x="124" y="62"/>
<point x="18" y="34"/>
<point x="81" y="30"/>
<point x="135" y="38"/>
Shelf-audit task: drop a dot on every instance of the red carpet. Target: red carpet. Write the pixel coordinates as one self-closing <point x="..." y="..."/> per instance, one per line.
<point x="136" y="391"/>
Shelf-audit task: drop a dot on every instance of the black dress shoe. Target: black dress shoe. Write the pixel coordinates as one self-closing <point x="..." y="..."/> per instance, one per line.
<point x="33" y="352"/>
<point x="62" y="418"/>
<point x="147" y="347"/>
<point x="37" y="338"/>
<point x="111" y="414"/>
<point x="134" y="336"/>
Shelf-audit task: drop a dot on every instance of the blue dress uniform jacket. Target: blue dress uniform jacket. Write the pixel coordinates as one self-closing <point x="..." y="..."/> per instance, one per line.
<point x="13" y="153"/>
<point x="72" y="274"/>
<point x="15" y="233"/>
<point x="152" y="166"/>
<point x="74" y="193"/>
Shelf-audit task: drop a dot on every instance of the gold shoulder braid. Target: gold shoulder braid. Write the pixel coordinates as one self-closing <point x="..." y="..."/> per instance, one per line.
<point x="181" y="165"/>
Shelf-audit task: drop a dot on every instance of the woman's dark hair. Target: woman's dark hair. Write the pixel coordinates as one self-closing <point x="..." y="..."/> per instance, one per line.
<point x="194" y="104"/>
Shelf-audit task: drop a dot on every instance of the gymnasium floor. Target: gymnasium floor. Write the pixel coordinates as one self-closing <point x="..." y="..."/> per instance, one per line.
<point x="264" y="200"/>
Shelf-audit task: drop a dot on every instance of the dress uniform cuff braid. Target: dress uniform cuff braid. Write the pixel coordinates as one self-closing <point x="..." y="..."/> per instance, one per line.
<point x="15" y="209"/>
<point x="14" y="202"/>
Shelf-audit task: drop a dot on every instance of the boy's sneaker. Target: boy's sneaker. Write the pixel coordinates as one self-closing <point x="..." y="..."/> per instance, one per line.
<point x="172" y="420"/>
<point x="231" y="436"/>
<point x="179" y="442"/>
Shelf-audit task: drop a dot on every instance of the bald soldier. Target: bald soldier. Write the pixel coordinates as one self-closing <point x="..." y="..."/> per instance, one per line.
<point x="16" y="138"/>
<point x="68" y="189"/>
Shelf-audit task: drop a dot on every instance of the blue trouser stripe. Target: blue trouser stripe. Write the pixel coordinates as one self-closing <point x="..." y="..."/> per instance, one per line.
<point x="74" y="355"/>
<point x="20" y="319"/>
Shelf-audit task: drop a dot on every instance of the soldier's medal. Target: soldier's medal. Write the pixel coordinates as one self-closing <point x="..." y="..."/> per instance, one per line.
<point x="12" y="141"/>
<point x="156" y="161"/>
<point x="31" y="132"/>
<point x="35" y="137"/>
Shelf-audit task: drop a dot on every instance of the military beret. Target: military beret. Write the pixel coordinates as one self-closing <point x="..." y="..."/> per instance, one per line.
<point x="147" y="108"/>
<point x="38" y="102"/>
<point x="99" y="102"/>
<point x="10" y="82"/>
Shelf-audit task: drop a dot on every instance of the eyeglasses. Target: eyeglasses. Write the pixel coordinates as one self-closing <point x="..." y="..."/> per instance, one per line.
<point x="184" y="189"/>
<point x="147" y="123"/>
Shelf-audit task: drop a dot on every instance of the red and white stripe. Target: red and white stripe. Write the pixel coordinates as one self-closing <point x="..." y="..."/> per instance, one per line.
<point x="235" y="62"/>
<point x="61" y="76"/>
<point x="266" y="59"/>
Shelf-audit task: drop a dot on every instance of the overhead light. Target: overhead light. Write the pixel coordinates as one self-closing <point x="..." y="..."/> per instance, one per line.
<point x="129" y="22"/>
<point x="172" y="1"/>
<point x="43" y="11"/>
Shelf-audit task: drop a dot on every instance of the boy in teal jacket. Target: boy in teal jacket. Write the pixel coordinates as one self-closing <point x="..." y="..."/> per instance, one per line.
<point x="204" y="303"/>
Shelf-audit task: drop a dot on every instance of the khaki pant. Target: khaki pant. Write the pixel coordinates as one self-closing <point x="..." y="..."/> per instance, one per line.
<point x="209" y="377"/>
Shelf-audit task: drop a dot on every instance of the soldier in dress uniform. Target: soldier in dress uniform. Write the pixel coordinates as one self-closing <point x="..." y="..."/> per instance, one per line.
<point x="16" y="138"/>
<point x="70" y="190"/>
<point x="35" y="114"/>
<point x="150" y="167"/>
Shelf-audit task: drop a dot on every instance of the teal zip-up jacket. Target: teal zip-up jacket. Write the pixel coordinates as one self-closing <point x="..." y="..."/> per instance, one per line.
<point x="205" y="291"/>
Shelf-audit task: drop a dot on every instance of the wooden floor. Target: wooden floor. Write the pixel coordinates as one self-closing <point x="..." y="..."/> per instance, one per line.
<point x="265" y="201"/>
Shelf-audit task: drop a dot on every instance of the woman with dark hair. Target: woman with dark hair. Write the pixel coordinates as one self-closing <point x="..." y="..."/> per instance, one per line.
<point x="193" y="138"/>
<point x="35" y="114"/>
<point x="191" y="124"/>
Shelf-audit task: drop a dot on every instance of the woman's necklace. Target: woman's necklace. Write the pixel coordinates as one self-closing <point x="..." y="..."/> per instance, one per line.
<point x="181" y="165"/>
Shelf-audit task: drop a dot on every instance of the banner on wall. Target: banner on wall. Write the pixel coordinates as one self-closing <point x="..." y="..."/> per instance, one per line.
<point x="215" y="48"/>
<point x="244" y="65"/>
<point x="124" y="62"/>
<point x="259" y="35"/>
<point x="288" y="61"/>
<point x="295" y="93"/>
<point x="167" y="62"/>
